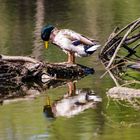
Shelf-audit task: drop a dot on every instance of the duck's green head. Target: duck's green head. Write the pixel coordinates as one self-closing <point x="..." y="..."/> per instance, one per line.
<point x="45" y="33"/>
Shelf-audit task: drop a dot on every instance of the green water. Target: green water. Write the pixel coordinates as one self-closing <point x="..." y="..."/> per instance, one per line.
<point x="20" y="24"/>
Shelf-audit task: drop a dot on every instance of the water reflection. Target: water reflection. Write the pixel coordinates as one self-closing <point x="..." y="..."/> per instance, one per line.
<point x="39" y="21"/>
<point x="73" y="102"/>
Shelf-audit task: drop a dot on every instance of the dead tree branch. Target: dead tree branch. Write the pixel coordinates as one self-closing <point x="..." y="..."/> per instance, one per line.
<point x="121" y="50"/>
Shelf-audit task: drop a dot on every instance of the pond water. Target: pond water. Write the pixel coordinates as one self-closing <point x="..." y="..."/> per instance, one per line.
<point x="105" y="119"/>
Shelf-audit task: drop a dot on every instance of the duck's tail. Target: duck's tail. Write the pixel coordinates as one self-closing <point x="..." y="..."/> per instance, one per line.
<point x="135" y="66"/>
<point x="91" y="49"/>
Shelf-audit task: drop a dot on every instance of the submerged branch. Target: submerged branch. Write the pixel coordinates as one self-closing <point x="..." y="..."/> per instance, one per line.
<point x="124" y="92"/>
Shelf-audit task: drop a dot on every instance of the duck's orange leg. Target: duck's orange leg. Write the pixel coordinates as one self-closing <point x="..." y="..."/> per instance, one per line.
<point x="71" y="88"/>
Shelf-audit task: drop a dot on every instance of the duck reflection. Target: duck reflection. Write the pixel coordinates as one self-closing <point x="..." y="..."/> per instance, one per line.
<point x="72" y="103"/>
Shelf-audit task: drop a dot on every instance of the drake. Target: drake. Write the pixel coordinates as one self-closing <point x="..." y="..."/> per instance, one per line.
<point x="72" y="43"/>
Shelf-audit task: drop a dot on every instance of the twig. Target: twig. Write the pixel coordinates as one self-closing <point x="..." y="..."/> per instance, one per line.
<point x="123" y="29"/>
<point x="111" y="69"/>
<point x="117" y="49"/>
<point x="131" y="82"/>
<point x="114" y="79"/>
<point x="132" y="39"/>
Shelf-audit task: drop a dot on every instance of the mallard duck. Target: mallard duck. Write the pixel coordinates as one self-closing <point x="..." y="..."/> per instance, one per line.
<point x="72" y="43"/>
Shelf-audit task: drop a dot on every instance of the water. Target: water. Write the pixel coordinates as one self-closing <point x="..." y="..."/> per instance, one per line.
<point x="20" y="26"/>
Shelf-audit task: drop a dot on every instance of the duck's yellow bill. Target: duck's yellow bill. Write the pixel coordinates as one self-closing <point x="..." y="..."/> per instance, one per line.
<point x="46" y="44"/>
<point x="48" y="102"/>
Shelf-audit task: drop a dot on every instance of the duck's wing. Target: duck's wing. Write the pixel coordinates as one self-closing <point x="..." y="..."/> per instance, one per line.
<point x="70" y="34"/>
<point x="74" y="36"/>
<point x="86" y="40"/>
